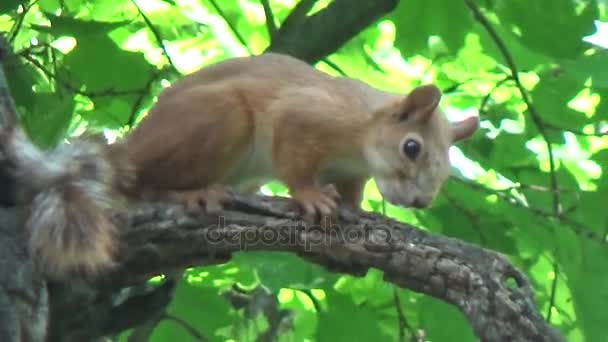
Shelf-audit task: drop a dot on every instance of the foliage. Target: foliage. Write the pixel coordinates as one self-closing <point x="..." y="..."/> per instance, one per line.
<point x="528" y="185"/>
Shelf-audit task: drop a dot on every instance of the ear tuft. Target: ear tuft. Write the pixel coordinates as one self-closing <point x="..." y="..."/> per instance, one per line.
<point x="421" y="100"/>
<point x="464" y="129"/>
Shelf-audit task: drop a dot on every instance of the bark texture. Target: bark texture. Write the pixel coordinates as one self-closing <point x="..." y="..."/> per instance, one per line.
<point x="496" y="298"/>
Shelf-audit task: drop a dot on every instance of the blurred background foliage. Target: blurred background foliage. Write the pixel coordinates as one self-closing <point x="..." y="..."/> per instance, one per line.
<point x="529" y="184"/>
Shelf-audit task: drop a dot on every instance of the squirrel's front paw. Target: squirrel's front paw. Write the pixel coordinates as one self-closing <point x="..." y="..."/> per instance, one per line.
<point x="317" y="203"/>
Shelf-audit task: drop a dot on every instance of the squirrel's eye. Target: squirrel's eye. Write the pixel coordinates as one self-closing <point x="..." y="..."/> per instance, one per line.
<point x="411" y="148"/>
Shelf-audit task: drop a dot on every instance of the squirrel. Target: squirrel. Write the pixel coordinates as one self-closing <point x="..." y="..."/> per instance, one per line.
<point x="235" y="123"/>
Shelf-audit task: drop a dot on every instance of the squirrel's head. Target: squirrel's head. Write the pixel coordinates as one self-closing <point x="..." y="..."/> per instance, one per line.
<point x="408" y="148"/>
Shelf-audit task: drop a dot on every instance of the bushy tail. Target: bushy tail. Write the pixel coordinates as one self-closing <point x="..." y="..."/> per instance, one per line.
<point x="65" y="194"/>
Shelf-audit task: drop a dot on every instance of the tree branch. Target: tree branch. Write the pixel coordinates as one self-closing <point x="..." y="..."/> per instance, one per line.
<point x="270" y="20"/>
<point x="496" y="298"/>
<point x="298" y="13"/>
<point x="314" y="37"/>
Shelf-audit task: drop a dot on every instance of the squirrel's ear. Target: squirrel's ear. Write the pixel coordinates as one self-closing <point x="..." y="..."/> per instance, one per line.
<point x="420" y="102"/>
<point x="463" y="129"/>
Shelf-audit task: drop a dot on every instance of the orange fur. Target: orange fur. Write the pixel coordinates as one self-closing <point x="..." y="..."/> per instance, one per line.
<point x="253" y="119"/>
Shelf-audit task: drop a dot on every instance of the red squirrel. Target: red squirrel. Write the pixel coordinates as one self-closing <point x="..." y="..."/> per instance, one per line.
<point x="241" y="121"/>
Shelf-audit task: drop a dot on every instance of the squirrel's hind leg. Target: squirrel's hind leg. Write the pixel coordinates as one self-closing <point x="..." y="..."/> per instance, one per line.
<point x="209" y="198"/>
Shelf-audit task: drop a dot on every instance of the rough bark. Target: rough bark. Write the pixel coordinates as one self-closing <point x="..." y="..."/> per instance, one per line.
<point x="496" y="298"/>
<point x="23" y="294"/>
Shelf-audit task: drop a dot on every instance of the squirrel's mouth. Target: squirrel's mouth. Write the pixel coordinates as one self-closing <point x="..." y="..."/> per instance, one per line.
<point x="402" y="193"/>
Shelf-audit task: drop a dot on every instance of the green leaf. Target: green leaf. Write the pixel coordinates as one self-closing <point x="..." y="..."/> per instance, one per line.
<point x="50" y="118"/>
<point x="49" y="6"/>
<point x="20" y="81"/>
<point x="46" y="115"/>
<point x="277" y="270"/>
<point x="114" y="69"/>
<point x="584" y="263"/>
<point x="223" y="276"/>
<point x="98" y="66"/>
<point x="514" y="146"/>
<point x="202" y="307"/>
<point x="305" y="317"/>
<point x="524" y="57"/>
<point x="370" y="289"/>
<point x="452" y="322"/>
<point x="344" y="320"/>
<point x="564" y="39"/>
<point x="552" y="95"/>
<point x="417" y="20"/>
<point x="586" y="67"/>
<point x="9" y="5"/>
<point x="113" y="113"/>
<point x="97" y="63"/>
<point x="590" y="209"/>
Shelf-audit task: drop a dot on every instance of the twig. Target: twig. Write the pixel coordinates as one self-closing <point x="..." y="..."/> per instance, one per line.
<point x="33" y="49"/>
<point x="313" y="299"/>
<point x="536" y="118"/>
<point x="17" y="27"/>
<point x="402" y="323"/>
<point x="139" y="100"/>
<point x="553" y="292"/>
<point x="236" y="33"/>
<point x="143" y="332"/>
<point x="270" y="21"/>
<point x="486" y="99"/>
<point x="189" y="328"/>
<point x="535" y="187"/>
<point x="156" y="34"/>
<point x="574" y="225"/>
<point x="573" y="131"/>
<point x="334" y="66"/>
<point x="455" y="86"/>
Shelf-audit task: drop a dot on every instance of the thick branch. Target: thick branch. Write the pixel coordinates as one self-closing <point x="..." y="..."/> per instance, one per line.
<point x="495" y="297"/>
<point x="313" y="38"/>
<point x="23" y="294"/>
